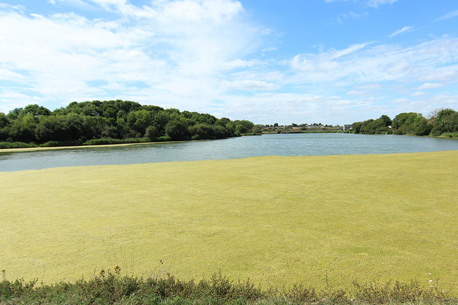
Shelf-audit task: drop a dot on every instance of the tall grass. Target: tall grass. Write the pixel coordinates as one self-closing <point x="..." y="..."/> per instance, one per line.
<point x="113" y="288"/>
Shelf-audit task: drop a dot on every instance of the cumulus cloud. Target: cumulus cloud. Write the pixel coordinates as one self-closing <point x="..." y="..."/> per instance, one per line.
<point x="176" y="50"/>
<point x="187" y="54"/>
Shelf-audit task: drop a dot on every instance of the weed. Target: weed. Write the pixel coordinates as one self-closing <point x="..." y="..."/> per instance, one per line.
<point x="113" y="288"/>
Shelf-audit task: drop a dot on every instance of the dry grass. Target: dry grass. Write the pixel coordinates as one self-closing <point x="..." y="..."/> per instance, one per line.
<point x="277" y="220"/>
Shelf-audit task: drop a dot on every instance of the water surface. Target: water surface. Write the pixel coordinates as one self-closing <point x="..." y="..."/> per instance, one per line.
<point x="265" y="145"/>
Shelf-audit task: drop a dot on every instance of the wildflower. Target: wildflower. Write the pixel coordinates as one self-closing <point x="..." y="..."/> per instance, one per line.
<point x="430" y="281"/>
<point x="117" y="269"/>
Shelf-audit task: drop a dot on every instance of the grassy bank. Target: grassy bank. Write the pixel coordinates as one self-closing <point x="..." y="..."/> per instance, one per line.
<point x="320" y="221"/>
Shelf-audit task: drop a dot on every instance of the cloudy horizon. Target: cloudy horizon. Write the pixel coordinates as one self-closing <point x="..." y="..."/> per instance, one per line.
<point x="329" y="61"/>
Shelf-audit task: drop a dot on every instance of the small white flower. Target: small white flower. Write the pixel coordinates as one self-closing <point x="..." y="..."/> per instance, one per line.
<point x="430" y="281"/>
<point x="429" y="274"/>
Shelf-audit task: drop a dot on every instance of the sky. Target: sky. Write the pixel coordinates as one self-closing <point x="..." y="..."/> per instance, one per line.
<point x="267" y="61"/>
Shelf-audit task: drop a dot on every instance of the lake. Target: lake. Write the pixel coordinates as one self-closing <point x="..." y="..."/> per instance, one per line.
<point x="307" y="144"/>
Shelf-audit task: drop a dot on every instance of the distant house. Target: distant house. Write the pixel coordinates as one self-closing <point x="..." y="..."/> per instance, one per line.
<point x="347" y="127"/>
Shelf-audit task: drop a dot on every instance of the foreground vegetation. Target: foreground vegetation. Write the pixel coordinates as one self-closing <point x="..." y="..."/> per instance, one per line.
<point x="111" y="122"/>
<point x="112" y="288"/>
<point x="319" y="221"/>
<point x="442" y="122"/>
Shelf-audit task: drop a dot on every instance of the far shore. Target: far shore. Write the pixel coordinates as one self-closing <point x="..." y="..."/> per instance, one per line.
<point x="30" y="149"/>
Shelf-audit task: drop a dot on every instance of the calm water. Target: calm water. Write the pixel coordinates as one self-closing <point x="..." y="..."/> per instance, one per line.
<point x="266" y="145"/>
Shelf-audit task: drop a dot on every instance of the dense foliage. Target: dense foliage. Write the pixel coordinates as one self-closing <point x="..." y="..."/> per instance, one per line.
<point x="109" y="288"/>
<point x="441" y="123"/>
<point x="113" y="122"/>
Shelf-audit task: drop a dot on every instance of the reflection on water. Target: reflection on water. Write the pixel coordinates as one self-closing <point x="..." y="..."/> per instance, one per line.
<point x="266" y="145"/>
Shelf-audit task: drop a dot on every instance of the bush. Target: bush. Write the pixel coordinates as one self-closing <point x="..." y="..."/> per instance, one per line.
<point x="450" y="135"/>
<point x="164" y="139"/>
<point x="108" y="141"/>
<point x="398" y="292"/>
<point x="60" y="143"/>
<point x="16" y="145"/>
<point x="113" y="288"/>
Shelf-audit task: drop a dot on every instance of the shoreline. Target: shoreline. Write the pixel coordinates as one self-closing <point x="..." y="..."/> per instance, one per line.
<point x="31" y="149"/>
<point x="38" y="148"/>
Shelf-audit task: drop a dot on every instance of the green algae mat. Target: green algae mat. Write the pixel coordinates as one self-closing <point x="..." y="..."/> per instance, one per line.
<point x="324" y="220"/>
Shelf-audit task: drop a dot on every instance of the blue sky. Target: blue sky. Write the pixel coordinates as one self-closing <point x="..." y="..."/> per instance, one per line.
<point x="285" y="61"/>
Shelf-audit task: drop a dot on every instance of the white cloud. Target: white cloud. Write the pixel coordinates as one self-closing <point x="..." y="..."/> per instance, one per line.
<point x="448" y="16"/>
<point x="188" y="54"/>
<point x="371" y="3"/>
<point x="376" y="3"/>
<point x="450" y="100"/>
<point x="76" y="3"/>
<point x="251" y="85"/>
<point x="380" y="63"/>
<point x="429" y="86"/>
<point x="355" y="92"/>
<point x="352" y="49"/>
<point x="403" y="30"/>
<point x="176" y="50"/>
<point x="9" y="7"/>
<point x="324" y="62"/>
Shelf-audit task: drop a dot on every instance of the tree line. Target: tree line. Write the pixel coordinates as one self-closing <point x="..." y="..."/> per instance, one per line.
<point x="114" y="121"/>
<point x="442" y="122"/>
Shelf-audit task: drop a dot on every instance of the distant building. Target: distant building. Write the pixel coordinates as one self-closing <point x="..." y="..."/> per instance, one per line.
<point x="347" y="127"/>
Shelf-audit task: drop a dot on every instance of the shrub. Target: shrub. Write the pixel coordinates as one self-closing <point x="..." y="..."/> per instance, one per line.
<point x="112" y="288"/>
<point x="60" y="143"/>
<point x="108" y="141"/>
<point x="16" y="145"/>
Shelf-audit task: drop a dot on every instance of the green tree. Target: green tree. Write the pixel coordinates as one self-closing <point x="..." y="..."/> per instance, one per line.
<point x="52" y="128"/>
<point x="421" y="127"/>
<point x="23" y="129"/>
<point x="177" y="130"/>
<point x="14" y="114"/>
<point x="35" y="110"/>
<point x="139" y="120"/>
<point x="444" y="122"/>
<point x="243" y="126"/>
<point x="4" y="120"/>
<point x="160" y="120"/>
<point x="202" y="131"/>
<point x="357" y="127"/>
<point x="76" y="127"/>
<point x="152" y="133"/>
<point x="403" y="123"/>
<point x="110" y="131"/>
